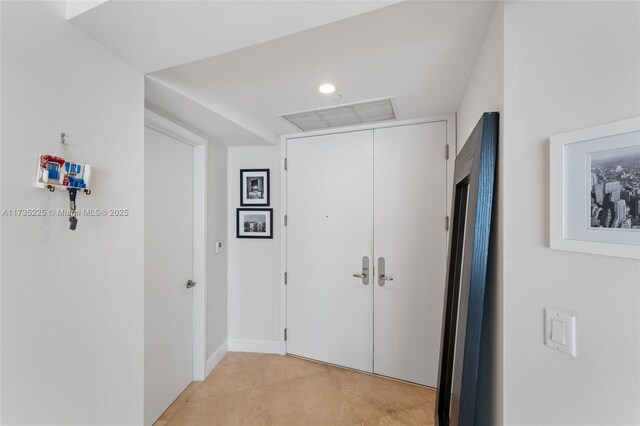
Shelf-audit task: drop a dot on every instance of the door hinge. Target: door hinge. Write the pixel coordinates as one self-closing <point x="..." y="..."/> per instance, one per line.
<point x="285" y="278"/>
<point x="285" y="334"/>
<point x="446" y="152"/>
<point x="446" y="223"/>
<point x="285" y="220"/>
<point x="285" y="164"/>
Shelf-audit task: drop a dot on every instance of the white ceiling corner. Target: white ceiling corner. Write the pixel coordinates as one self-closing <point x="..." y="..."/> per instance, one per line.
<point x="78" y="7"/>
<point x="213" y="123"/>
<point x="153" y="35"/>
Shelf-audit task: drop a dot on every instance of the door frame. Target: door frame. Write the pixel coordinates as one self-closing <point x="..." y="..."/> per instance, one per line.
<point x="168" y="128"/>
<point x="282" y="142"/>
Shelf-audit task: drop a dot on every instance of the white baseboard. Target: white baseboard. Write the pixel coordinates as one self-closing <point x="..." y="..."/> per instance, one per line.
<point x="216" y="357"/>
<point x="258" y="346"/>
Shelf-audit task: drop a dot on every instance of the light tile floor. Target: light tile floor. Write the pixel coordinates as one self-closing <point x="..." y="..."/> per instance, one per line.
<point x="259" y="389"/>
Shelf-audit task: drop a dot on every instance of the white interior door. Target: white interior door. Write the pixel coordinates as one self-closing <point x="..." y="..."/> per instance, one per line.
<point x="410" y="208"/>
<point x="168" y="252"/>
<point x="329" y="231"/>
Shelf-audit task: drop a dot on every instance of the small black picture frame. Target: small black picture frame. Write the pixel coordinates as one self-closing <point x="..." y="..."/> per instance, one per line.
<point x="254" y="223"/>
<point x="255" y="187"/>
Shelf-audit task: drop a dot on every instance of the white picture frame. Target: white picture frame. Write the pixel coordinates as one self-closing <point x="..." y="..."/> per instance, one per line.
<point x="571" y="186"/>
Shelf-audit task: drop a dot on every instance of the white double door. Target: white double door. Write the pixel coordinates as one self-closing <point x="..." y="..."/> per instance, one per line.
<point x="379" y="195"/>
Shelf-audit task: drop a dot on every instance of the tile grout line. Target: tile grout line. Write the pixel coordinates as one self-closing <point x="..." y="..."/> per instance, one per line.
<point x="395" y="413"/>
<point x="344" y="396"/>
<point x="266" y="392"/>
<point x="181" y="402"/>
<point x="268" y="407"/>
<point x="362" y="421"/>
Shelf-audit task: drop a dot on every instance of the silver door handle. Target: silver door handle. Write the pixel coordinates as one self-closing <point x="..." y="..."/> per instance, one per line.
<point x="382" y="278"/>
<point x="191" y="284"/>
<point x="364" y="276"/>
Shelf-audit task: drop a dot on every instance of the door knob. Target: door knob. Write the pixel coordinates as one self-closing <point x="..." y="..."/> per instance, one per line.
<point x="364" y="275"/>
<point x="382" y="278"/>
<point x="191" y="284"/>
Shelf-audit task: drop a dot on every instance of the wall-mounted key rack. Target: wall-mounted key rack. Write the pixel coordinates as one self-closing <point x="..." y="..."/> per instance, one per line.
<point x="56" y="172"/>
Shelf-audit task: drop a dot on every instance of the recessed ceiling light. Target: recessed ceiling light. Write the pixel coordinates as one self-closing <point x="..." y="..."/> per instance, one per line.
<point x="327" y="88"/>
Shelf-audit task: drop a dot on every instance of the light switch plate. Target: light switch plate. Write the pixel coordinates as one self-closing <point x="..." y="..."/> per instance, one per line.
<point x="219" y="246"/>
<point x="560" y="330"/>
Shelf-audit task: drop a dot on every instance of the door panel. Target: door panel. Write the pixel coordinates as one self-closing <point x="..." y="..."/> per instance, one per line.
<point x="410" y="200"/>
<point x="329" y="230"/>
<point x="168" y="310"/>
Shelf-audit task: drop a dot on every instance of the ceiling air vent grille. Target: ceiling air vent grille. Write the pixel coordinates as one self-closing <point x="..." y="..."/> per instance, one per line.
<point x="343" y="115"/>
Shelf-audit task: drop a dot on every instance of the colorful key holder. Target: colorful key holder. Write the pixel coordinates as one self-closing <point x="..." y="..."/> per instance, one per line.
<point x="56" y="172"/>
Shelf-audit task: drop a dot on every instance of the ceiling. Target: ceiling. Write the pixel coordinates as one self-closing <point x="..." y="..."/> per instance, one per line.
<point x="223" y="125"/>
<point x="152" y="35"/>
<point x="421" y="53"/>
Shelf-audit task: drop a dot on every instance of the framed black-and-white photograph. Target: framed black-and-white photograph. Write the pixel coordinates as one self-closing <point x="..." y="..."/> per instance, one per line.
<point x="254" y="187"/>
<point x="254" y="223"/>
<point x="595" y="190"/>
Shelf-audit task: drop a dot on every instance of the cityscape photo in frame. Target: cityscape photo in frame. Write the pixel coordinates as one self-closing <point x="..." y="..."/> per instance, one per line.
<point x="614" y="201"/>
<point x="254" y="223"/>
<point x="595" y="190"/>
<point x="254" y="187"/>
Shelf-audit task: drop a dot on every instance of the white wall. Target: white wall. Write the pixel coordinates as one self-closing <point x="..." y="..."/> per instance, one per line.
<point x="72" y="302"/>
<point x="566" y="66"/>
<point x="254" y="264"/>
<point x="484" y="94"/>
<point x="217" y="228"/>
<point x="484" y="88"/>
